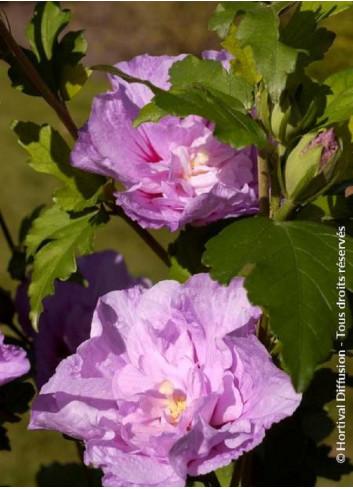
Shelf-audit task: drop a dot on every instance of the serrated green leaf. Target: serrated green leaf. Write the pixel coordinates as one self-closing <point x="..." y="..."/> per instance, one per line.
<point x="27" y="222"/>
<point x="43" y="30"/>
<point x="340" y="102"/>
<point x="243" y="64"/>
<point x="322" y="10"/>
<point x="301" y="33"/>
<point x="49" y="153"/>
<point x="73" y="80"/>
<point x="54" y="59"/>
<point x="56" y="238"/>
<point x="225" y="12"/>
<point x="259" y="29"/>
<point x="72" y="48"/>
<point x="291" y="272"/>
<point x="224" y="15"/>
<point x="210" y="74"/>
<point x="232" y="126"/>
<point x="47" y="223"/>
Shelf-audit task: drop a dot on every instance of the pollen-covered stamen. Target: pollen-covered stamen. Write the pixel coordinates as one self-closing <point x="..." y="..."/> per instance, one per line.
<point x="198" y="162"/>
<point x="175" y="401"/>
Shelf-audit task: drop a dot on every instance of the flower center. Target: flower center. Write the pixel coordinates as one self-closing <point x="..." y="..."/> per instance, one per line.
<point x="175" y="401"/>
<point x="199" y="161"/>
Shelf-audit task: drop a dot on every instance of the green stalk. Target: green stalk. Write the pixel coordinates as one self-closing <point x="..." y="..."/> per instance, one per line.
<point x="285" y="211"/>
<point x="263" y="181"/>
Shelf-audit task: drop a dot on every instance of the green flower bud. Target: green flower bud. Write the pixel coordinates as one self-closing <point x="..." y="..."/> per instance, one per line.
<point x="279" y="121"/>
<point x="310" y="165"/>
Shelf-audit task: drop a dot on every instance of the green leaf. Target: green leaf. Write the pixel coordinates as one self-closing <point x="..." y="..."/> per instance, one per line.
<point x="72" y="48"/>
<point x="291" y="272"/>
<point x="243" y="64"/>
<point x="257" y="38"/>
<point x="43" y="30"/>
<point x="326" y="208"/>
<point x="222" y="18"/>
<point x="322" y="10"/>
<point x="225" y="12"/>
<point x="73" y="75"/>
<point x="50" y="154"/>
<point x="224" y="475"/>
<point x="232" y="126"/>
<point x="57" y="61"/>
<point x="259" y="29"/>
<point x="17" y="266"/>
<point x="340" y="102"/>
<point x="210" y="74"/>
<point x="27" y="222"/>
<point x="177" y="272"/>
<point x="149" y="113"/>
<point x="302" y="34"/>
<point x="194" y="483"/>
<point x="73" y="79"/>
<point x="56" y="238"/>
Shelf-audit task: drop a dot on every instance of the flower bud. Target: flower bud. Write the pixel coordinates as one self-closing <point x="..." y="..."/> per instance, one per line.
<point x="311" y="164"/>
<point x="278" y="122"/>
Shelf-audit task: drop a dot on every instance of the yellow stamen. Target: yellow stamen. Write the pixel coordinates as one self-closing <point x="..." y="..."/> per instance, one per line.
<point x="201" y="158"/>
<point x="175" y="401"/>
<point x="175" y="407"/>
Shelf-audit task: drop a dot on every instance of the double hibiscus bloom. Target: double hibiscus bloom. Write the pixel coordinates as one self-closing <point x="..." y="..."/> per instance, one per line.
<point x="166" y="381"/>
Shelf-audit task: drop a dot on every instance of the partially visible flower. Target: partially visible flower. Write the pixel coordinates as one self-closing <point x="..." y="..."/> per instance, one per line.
<point x="13" y="362"/>
<point x="310" y="165"/>
<point x="172" y="381"/>
<point x="66" y="320"/>
<point x="175" y="171"/>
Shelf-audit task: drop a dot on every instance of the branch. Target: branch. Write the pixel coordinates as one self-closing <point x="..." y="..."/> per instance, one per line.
<point x="7" y="234"/>
<point x="144" y="234"/>
<point x="36" y="80"/>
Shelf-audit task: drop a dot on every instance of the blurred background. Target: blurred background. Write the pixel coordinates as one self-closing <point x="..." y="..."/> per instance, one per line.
<point x="115" y="31"/>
